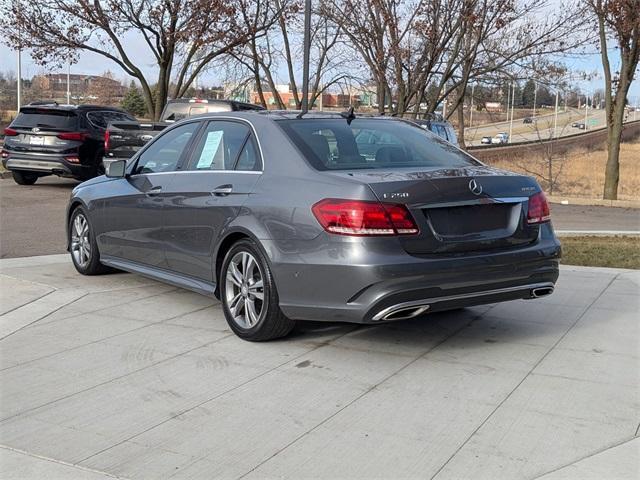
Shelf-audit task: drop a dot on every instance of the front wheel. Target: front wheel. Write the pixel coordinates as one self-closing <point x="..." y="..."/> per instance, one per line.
<point x="24" y="178"/>
<point x="83" y="246"/>
<point x="249" y="295"/>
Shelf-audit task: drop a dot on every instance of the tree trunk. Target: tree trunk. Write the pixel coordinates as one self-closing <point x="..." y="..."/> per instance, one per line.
<point x="612" y="170"/>
<point x="461" y="126"/>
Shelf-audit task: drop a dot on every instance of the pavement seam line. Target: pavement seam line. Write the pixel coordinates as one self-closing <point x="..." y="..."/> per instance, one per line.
<point x="28" y="303"/>
<point x="593" y="454"/>
<point x="120" y="377"/>
<point x="111" y="306"/>
<point x="504" y="400"/>
<point x="363" y="394"/>
<point x="70" y="349"/>
<point x="60" y="462"/>
<point x="46" y="315"/>
<point x="215" y="397"/>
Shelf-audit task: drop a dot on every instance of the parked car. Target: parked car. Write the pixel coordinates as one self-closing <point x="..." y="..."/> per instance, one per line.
<point x="578" y="125"/>
<point x="287" y="218"/>
<point x="63" y="140"/>
<point x="501" y="137"/>
<point x="527" y="120"/>
<point x="438" y="125"/>
<point x="486" y="140"/>
<point x="123" y="139"/>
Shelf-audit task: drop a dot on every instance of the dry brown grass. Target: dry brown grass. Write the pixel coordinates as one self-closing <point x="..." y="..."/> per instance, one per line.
<point x="580" y="173"/>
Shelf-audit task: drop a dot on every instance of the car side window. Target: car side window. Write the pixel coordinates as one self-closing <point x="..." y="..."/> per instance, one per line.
<point x="249" y="160"/>
<point x="164" y="153"/>
<point x="103" y="119"/>
<point x="220" y="145"/>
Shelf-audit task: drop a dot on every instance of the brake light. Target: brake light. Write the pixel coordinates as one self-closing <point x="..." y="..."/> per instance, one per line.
<point x="364" y="218"/>
<point x="10" y="132"/>
<point x="538" y="211"/>
<point x="77" y="136"/>
<point x="106" y="141"/>
<point x="198" y="100"/>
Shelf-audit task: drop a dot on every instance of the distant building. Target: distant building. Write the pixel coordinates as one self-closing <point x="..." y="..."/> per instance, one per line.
<point x="80" y="84"/>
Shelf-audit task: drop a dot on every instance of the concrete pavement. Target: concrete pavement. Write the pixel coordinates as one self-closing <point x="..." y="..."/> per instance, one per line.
<point x="121" y="376"/>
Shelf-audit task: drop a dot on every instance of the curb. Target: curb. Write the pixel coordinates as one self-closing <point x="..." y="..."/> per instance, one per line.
<point x="597" y="233"/>
<point x="597" y="202"/>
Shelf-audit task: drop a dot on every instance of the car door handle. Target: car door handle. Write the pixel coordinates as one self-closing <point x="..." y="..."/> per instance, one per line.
<point x="222" y="190"/>
<point x="153" y="191"/>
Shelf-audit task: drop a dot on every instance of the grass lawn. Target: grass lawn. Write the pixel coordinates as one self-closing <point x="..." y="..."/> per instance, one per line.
<point x="591" y="251"/>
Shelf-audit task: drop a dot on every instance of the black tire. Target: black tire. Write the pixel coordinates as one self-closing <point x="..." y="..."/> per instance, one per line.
<point x="93" y="265"/>
<point x="271" y="322"/>
<point x="24" y="178"/>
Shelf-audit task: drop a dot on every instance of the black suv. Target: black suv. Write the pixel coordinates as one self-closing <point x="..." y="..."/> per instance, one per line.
<point x="63" y="140"/>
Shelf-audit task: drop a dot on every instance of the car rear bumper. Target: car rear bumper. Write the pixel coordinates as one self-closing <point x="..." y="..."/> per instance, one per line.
<point x="45" y="164"/>
<point x="349" y="290"/>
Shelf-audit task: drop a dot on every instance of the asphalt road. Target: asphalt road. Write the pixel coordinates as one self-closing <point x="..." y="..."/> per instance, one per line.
<point x="543" y="129"/>
<point x="32" y="218"/>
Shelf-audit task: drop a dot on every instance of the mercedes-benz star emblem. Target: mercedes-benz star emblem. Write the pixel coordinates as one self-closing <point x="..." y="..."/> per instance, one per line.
<point x="475" y="187"/>
<point x="35" y="129"/>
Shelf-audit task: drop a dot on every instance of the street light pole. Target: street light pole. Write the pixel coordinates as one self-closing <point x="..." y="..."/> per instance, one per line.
<point x="586" y="112"/>
<point x="471" y="107"/>
<point x="307" y="48"/>
<point x="513" y="97"/>
<point x="69" y="83"/>
<point x="555" y="118"/>
<point x="535" y="97"/>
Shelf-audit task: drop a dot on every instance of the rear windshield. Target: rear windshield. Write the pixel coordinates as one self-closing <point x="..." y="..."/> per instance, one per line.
<point x="46" y="119"/>
<point x="333" y="144"/>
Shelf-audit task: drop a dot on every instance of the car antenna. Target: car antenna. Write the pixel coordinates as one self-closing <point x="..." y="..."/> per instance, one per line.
<point x="349" y="115"/>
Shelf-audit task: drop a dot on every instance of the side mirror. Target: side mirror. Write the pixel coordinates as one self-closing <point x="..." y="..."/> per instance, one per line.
<point x="116" y="169"/>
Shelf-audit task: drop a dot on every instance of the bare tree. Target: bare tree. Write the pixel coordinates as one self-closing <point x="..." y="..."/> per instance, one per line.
<point x="182" y="35"/>
<point x="618" y="21"/>
<point x="281" y="48"/>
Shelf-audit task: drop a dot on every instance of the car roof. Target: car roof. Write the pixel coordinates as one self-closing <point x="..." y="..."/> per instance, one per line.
<point x="70" y="108"/>
<point x="277" y="115"/>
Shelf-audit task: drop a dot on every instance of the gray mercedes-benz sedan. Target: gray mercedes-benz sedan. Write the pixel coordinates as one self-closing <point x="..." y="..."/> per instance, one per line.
<point x="323" y="216"/>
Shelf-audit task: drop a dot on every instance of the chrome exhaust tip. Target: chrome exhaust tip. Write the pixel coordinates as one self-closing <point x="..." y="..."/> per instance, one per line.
<point x="401" y="313"/>
<point x="541" y="292"/>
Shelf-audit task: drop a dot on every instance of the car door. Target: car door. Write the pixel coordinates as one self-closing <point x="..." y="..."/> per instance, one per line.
<point x="208" y="194"/>
<point x="133" y="213"/>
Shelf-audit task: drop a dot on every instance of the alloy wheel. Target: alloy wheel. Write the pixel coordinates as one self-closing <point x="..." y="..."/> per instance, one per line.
<point x="244" y="289"/>
<point x="80" y="243"/>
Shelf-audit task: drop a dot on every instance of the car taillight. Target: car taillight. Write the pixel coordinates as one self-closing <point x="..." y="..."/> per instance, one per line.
<point x="77" y="136"/>
<point x="364" y="218"/>
<point x="73" y="159"/>
<point x="10" y="132"/>
<point x="538" y="209"/>
<point x="106" y="141"/>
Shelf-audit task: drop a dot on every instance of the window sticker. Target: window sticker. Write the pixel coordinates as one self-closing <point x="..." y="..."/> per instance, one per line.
<point x="210" y="149"/>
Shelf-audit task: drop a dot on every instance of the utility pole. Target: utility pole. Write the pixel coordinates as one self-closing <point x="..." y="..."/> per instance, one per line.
<point x="555" y="118"/>
<point x="508" y="102"/>
<point x="471" y="107"/>
<point x="307" y="48"/>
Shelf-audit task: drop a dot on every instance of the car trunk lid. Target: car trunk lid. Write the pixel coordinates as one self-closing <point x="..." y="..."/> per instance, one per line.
<point x="460" y="209"/>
